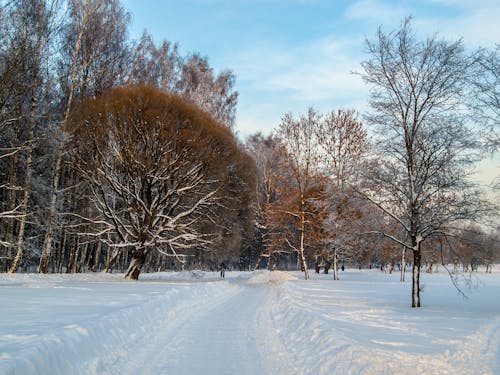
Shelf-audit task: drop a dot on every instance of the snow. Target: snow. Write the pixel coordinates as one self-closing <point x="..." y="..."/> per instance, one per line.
<point x="248" y="323"/>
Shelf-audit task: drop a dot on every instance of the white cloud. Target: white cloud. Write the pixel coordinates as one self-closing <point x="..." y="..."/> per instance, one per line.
<point x="318" y="70"/>
<point x="380" y="12"/>
<point x="479" y="26"/>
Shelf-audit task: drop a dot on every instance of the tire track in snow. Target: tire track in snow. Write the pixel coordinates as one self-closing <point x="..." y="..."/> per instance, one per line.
<point x="220" y="336"/>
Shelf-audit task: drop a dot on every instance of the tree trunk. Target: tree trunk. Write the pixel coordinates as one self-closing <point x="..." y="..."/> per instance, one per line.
<point x="12" y="204"/>
<point x="61" y="252"/>
<point x="97" y="257"/>
<point x="302" y="253"/>
<point x="335" y="266"/>
<point x="403" y="264"/>
<point x="27" y="190"/>
<point x="111" y="258"/>
<point x="415" y="293"/>
<point x="134" y="269"/>
<point x="22" y="225"/>
<point x="47" y="244"/>
<point x="327" y="266"/>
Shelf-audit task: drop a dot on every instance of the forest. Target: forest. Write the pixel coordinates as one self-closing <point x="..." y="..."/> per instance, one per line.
<point x="122" y="155"/>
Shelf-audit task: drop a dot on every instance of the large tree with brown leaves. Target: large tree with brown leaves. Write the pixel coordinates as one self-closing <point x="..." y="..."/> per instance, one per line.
<point x="158" y="170"/>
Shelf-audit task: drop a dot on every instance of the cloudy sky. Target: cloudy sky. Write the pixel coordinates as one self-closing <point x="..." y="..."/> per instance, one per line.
<point x="288" y="55"/>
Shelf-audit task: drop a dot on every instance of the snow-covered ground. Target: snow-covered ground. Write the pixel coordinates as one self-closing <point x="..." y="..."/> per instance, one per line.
<point x="249" y="323"/>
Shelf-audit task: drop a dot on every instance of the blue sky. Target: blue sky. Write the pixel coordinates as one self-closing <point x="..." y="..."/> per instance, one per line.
<point x="288" y="55"/>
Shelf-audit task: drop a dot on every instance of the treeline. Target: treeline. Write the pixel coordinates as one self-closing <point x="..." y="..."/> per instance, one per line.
<point x="53" y="55"/>
<point x="119" y="154"/>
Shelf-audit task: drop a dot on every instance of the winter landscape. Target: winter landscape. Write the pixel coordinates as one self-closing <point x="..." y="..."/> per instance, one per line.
<point x="309" y="150"/>
<point x="248" y="323"/>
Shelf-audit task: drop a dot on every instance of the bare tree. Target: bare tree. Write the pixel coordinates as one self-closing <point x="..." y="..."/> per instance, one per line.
<point x="425" y="149"/>
<point x="269" y="157"/>
<point x="93" y="60"/>
<point x="191" y="77"/>
<point x="28" y="31"/>
<point x="343" y="142"/>
<point x="298" y="136"/>
<point x="485" y="94"/>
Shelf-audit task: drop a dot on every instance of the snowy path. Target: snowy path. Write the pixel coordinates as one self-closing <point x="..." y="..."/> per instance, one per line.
<point x="218" y="337"/>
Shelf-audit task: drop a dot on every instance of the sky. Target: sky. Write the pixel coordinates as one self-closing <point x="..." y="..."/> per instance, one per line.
<point x="289" y="55"/>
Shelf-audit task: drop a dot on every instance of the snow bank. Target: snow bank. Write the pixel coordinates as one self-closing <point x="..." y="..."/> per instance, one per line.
<point x="265" y="276"/>
<point x="363" y="324"/>
<point x="68" y="324"/>
<point x="195" y="275"/>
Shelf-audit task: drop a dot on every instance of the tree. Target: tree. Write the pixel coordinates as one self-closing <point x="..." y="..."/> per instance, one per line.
<point x="299" y="139"/>
<point x="485" y="94"/>
<point x="26" y="34"/>
<point x="425" y="148"/>
<point x="269" y="155"/>
<point x="156" y="169"/>
<point x="92" y="60"/>
<point x="190" y="77"/>
<point x="343" y="142"/>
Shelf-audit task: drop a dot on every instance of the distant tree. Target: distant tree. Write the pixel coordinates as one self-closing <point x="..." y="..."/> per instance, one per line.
<point x="424" y="146"/>
<point x="156" y="169"/>
<point x="190" y="77"/>
<point x="155" y="65"/>
<point x="484" y="83"/>
<point x="212" y="93"/>
<point x="269" y="156"/>
<point x="298" y="137"/>
<point x="343" y="142"/>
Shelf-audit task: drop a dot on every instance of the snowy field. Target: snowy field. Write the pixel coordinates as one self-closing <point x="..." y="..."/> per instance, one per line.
<point x="249" y="323"/>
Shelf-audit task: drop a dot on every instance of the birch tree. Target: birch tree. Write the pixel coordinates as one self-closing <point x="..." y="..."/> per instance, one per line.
<point x="153" y="166"/>
<point x="23" y="106"/>
<point x="298" y="136"/>
<point x="485" y="94"/>
<point x="191" y="76"/>
<point x="93" y="60"/>
<point x="343" y="142"/>
<point x="424" y="146"/>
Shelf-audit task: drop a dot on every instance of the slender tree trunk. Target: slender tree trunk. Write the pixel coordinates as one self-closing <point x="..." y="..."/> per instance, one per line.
<point x="302" y="238"/>
<point x="27" y="191"/>
<point x="24" y="210"/>
<point x="72" y="255"/>
<point x="335" y="265"/>
<point x="415" y="293"/>
<point x="12" y="205"/>
<point x="61" y="252"/>
<point x="256" y="267"/>
<point x="97" y="257"/>
<point x="403" y="264"/>
<point x="327" y="266"/>
<point x="112" y="257"/>
<point x="47" y="244"/>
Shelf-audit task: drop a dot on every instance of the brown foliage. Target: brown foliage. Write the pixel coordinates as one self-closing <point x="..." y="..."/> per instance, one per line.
<point x="162" y="171"/>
